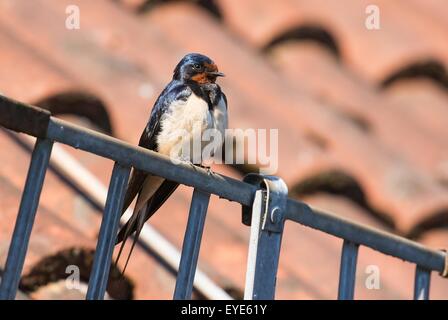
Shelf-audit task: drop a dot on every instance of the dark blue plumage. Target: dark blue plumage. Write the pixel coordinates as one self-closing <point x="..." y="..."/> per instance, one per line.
<point x="194" y="74"/>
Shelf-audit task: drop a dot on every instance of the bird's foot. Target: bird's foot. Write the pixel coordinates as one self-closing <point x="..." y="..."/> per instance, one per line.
<point x="209" y="170"/>
<point x="187" y="161"/>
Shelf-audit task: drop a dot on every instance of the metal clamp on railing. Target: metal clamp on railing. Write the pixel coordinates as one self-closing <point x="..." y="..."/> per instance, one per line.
<point x="266" y="218"/>
<point x="265" y="209"/>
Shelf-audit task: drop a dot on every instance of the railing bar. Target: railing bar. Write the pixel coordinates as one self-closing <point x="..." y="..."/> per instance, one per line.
<point x="104" y="249"/>
<point x="347" y="273"/>
<point x="86" y="184"/>
<point x="422" y="283"/>
<point x="191" y="245"/>
<point x="150" y="161"/>
<point x="376" y="239"/>
<point x="267" y="222"/>
<point x="243" y="193"/>
<point x="25" y="218"/>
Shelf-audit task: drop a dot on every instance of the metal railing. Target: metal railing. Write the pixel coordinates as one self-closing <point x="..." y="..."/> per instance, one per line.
<point x="263" y="198"/>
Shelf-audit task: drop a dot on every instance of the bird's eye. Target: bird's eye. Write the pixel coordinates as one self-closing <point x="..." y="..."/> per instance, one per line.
<point x="196" y="66"/>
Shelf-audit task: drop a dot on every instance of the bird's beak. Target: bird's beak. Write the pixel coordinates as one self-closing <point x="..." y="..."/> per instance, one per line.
<point x="216" y="73"/>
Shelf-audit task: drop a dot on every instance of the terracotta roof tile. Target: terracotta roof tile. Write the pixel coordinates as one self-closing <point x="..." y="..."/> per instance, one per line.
<point x="133" y="4"/>
<point x="391" y="184"/>
<point x="309" y="257"/>
<point x="396" y="276"/>
<point x="50" y="233"/>
<point x="99" y="55"/>
<point x="435" y="238"/>
<point x="126" y="59"/>
<point x="387" y="50"/>
<point x="436" y="9"/>
<point x="65" y="221"/>
<point x="15" y="76"/>
<point x="427" y="104"/>
<point x="314" y="70"/>
<point x="246" y="113"/>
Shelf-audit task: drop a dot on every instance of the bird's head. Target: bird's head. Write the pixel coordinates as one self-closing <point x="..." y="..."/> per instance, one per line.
<point x="198" y="68"/>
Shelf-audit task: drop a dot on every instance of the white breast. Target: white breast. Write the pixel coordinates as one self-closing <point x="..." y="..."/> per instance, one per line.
<point x="188" y="119"/>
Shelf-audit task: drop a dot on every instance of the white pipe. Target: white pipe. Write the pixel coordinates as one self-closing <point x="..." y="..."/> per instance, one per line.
<point x="253" y="245"/>
<point x="68" y="166"/>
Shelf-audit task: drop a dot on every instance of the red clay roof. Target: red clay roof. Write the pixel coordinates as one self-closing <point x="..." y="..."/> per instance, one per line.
<point x="403" y="36"/>
<point x="331" y="112"/>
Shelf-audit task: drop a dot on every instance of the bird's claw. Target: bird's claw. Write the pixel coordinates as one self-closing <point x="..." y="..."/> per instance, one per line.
<point x="191" y="164"/>
<point x="210" y="171"/>
<point x="187" y="161"/>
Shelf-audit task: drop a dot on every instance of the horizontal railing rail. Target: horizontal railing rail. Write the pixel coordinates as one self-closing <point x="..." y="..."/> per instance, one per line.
<point x="264" y="200"/>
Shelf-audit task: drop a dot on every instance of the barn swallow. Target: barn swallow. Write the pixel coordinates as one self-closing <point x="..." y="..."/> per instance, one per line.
<point x="191" y="100"/>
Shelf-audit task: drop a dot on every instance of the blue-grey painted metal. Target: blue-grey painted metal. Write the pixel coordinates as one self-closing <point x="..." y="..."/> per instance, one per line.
<point x="243" y="193"/>
<point x="347" y="272"/>
<point x="269" y="225"/>
<point x="109" y="225"/>
<point x="422" y="283"/>
<point x="25" y="218"/>
<point x="376" y="239"/>
<point x="276" y="210"/>
<point x="150" y="161"/>
<point x="191" y="245"/>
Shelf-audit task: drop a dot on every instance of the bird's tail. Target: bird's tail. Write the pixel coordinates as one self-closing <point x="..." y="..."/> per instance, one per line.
<point x="134" y="224"/>
<point x="137" y="220"/>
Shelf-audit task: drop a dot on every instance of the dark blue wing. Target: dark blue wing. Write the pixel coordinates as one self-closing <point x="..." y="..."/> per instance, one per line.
<point x="173" y="91"/>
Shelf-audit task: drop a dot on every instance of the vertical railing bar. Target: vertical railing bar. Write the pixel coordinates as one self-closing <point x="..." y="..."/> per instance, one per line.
<point x="25" y="218"/>
<point x="191" y="245"/>
<point x="347" y="273"/>
<point x="267" y="222"/>
<point x="422" y="283"/>
<point x="106" y="240"/>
